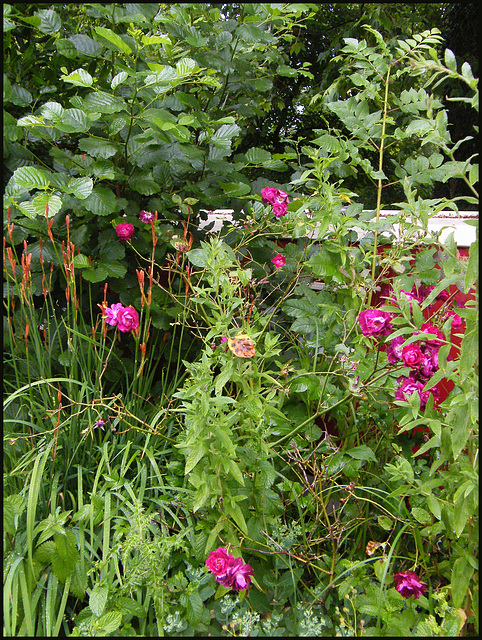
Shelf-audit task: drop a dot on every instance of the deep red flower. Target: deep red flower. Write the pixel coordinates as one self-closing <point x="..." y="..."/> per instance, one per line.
<point x="374" y="322"/>
<point x="409" y="584"/>
<point x="125" y="230"/>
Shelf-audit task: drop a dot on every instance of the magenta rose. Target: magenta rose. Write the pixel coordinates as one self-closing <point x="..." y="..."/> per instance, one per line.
<point x="374" y="322"/>
<point x="269" y="195"/>
<point x="279" y="261"/>
<point x="125" y="230"/>
<point x="146" y="216"/>
<point x="429" y="364"/>
<point x="237" y="575"/>
<point x="409" y="584"/>
<point x="218" y="561"/>
<point x="280" y="209"/>
<point x="112" y="312"/>
<point x="127" y="319"/>
<point x="412" y="356"/>
<point x="394" y="350"/>
<point x="435" y="336"/>
<point x="411" y="385"/>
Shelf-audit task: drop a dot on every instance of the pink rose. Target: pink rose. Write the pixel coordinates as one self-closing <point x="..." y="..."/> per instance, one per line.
<point x="409" y="584"/>
<point x="237" y="575"/>
<point x="429" y="364"/>
<point x="125" y="230"/>
<point x="279" y="261"/>
<point x="280" y="209"/>
<point x="218" y="561"/>
<point x="229" y="571"/>
<point x="146" y="216"/>
<point x="457" y="321"/>
<point x="127" y="319"/>
<point x="435" y="336"/>
<point x="394" y="351"/>
<point x="374" y="322"/>
<point x="412" y="356"/>
<point x="112" y="312"/>
<point x="412" y="385"/>
<point x="269" y="195"/>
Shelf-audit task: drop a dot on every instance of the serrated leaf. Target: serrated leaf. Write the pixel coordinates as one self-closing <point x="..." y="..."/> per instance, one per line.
<point x="98" y="147"/>
<point x="113" y="39"/>
<point x="30" y="178"/>
<point x="81" y="261"/>
<point x="52" y="111"/>
<point x="103" y="102"/>
<point x="81" y="187"/>
<point x="223" y="137"/>
<point x="37" y="207"/>
<point x="186" y="67"/>
<point x="194" y="610"/>
<point x="114" y="268"/>
<point x="98" y="599"/>
<point x="79" y="78"/>
<point x="73" y="121"/>
<point x="95" y="275"/>
<point x="109" y="622"/>
<point x="257" y="156"/>
<point x="13" y="507"/>
<point x="101" y="202"/>
<point x="66" y="555"/>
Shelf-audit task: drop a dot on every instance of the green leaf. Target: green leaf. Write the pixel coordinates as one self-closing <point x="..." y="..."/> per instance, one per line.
<point x="81" y="261"/>
<point x="194" y="456"/>
<point x="421" y="515"/>
<point x="450" y="60"/>
<point x="101" y="202"/>
<point x="73" y="121"/>
<point x="98" y="599"/>
<point x="66" y="48"/>
<point x="98" y="147"/>
<point x="13" y="507"/>
<point x="362" y="452"/>
<point x="469" y="352"/>
<point x="223" y="137"/>
<point x="113" y="39"/>
<point x="459" y="419"/>
<point x="114" y="268"/>
<point x="79" y="78"/>
<point x="186" y="67"/>
<point x="81" y="187"/>
<point x="104" y="102"/>
<point x="49" y="21"/>
<point x="197" y="257"/>
<point x="460" y="579"/>
<point x="108" y="623"/>
<point x="95" y="275"/>
<point x="30" y="178"/>
<point x="194" y="609"/>
<point x="257" y="156"/>
<point x="84" y="44"/>
<point x="118" y="79"/>
<point x="66" y="555"/>
<point x="37" y="207"/>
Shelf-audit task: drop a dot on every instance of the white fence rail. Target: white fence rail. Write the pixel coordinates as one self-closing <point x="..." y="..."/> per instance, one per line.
<point x="445" y="221"/>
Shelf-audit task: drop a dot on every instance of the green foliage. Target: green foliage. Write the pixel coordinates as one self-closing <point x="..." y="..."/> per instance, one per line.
<point x="129" y="456"/>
